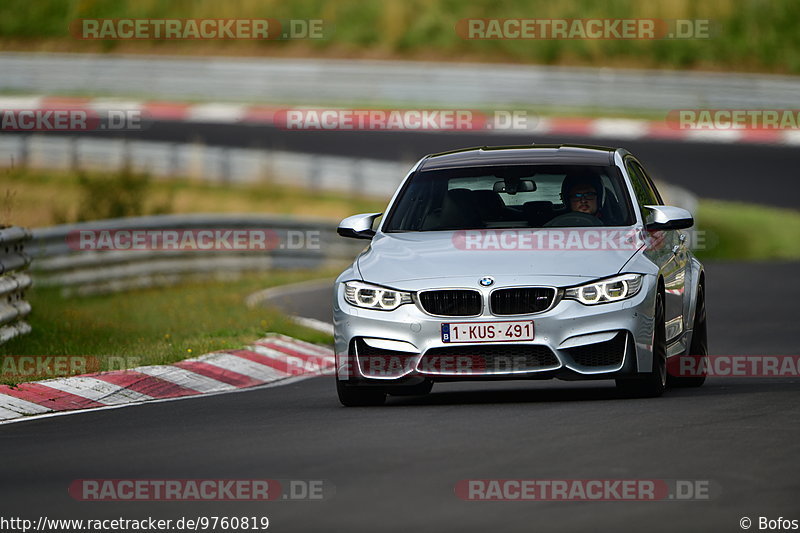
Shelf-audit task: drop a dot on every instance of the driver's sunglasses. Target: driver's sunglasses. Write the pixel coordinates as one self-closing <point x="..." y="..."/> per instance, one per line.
<point x="583" y="195"/>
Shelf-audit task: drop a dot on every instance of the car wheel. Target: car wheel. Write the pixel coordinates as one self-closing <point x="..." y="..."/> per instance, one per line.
<point x="355" y="396"/>
<point x="653" y="383"/>
<point x="699" y="345"/>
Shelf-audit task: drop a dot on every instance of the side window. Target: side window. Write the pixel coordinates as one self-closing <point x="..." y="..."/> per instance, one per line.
<point x="650" y="184"/>
<point x="644" y="194"/>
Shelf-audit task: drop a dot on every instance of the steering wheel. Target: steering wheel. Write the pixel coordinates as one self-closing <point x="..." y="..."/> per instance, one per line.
<point x="574" y="218"/>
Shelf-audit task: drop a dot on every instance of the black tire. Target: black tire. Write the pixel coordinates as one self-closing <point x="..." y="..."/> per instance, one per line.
<point x="355" y="396"/>
<point x="653" y="383"/>
<point x="699" y="345"/>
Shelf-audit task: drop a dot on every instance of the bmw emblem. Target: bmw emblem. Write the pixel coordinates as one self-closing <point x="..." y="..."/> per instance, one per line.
<point x="486" y="281"/>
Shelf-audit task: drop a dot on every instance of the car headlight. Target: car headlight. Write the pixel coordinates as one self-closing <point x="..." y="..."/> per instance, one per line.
<point x="371" y="296"/>
<point x="606" y="290"/>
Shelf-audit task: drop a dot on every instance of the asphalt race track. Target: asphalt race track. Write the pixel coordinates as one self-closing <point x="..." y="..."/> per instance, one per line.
<point x="395" y="468"/>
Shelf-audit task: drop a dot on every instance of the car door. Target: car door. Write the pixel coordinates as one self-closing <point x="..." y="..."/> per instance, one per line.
<point x="670" y="253"/>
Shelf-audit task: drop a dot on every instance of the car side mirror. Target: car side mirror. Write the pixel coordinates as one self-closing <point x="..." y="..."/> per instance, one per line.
<point x="667" y="217"/>
<point x="358" y="226"/>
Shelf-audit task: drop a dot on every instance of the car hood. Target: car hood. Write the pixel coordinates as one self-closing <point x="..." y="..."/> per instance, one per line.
<point x="395" y="258"/>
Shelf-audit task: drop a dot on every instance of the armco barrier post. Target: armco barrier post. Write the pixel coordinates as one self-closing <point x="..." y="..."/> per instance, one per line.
<point x="13" y="283"/>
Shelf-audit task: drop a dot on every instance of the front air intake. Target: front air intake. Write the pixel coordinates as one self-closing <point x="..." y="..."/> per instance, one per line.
<point x="522" y="300"/>
<point x="451" y="302"/>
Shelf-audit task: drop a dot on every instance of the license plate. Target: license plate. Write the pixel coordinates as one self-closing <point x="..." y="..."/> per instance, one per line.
<point x="516" y="330"/>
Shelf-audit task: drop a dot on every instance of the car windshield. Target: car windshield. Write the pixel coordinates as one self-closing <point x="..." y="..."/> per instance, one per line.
<point x="520" y="196"/>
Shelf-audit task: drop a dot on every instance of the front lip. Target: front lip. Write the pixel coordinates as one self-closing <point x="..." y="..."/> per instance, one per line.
<point x="562" y="363"/>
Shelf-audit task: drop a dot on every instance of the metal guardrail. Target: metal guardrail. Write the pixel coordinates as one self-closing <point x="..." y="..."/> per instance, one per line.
<point x="13" y="283"/>
<point x="406" y="83"/>
<point x="82" y="272"/>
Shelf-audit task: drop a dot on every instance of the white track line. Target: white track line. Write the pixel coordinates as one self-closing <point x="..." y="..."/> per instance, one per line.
<point x="313" y="323"/>
<point x="263" y="296"/>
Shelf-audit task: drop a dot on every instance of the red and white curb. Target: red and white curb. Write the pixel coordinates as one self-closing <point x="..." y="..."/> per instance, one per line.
<point x="272" y="359"/>
<point x="231" y="113"/>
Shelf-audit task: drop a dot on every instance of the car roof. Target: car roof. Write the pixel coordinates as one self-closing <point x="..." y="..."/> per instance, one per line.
<point x="548" y="154"/>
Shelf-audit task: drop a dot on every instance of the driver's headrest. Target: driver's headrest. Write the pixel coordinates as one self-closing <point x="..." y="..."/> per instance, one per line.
<point x="580" y="178"/>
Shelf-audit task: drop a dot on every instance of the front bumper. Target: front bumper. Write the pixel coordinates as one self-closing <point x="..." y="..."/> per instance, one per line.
<point x="571" y="341"/>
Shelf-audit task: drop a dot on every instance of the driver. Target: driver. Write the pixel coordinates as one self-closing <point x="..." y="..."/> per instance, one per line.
<point x="583" y="198"/>
<point x="582" y="194"/>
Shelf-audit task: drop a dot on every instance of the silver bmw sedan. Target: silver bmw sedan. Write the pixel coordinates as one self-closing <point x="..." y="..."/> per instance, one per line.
<point x="519" y="262"/>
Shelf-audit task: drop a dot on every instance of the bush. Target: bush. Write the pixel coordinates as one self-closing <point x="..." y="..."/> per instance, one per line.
<point x="121" y="195"/>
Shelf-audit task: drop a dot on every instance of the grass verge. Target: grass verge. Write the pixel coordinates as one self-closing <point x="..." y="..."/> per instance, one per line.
<point x="155" y="326"/>
<point x="35" y="198"/>
<point x="741" y="231"/>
